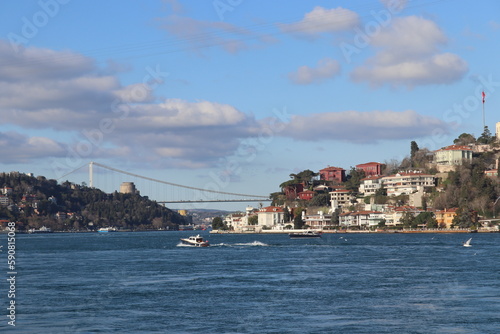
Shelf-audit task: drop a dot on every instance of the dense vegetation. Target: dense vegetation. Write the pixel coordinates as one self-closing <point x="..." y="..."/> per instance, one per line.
<point x="37" y="202"/>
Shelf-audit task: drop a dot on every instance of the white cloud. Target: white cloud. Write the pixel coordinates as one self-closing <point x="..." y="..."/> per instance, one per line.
<point x="327" y="68"/>
<point x="198" y="34"/>
<point x="439" y="69"/>
<point x="409" y="55"/>
<point x="396" y="5"/>
<point x="322" y="20"/>
<point x="362" y="127"/>
<point x="78" y="100"/>
<point x="18" y="148"/>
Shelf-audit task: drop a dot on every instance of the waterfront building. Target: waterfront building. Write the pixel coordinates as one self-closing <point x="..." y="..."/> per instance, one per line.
<point x="271" y="216"/>
<point x="318" y="221"/>
<point x="394" y="214"/>
<point x="361" y="219"/>
<point x="445" y="217"/>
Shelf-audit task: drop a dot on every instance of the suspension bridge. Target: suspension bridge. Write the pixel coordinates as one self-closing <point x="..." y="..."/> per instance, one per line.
<point x="110" y="179"/>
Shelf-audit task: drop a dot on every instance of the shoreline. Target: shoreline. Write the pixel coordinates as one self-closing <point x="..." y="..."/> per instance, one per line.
<point x="359" y="231"/>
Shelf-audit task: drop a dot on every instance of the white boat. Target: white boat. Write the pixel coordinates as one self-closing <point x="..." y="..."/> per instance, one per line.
<point x="42" y="229"/>
<point x="107" y="229"/>
<point x="467" y="243"/>
<point x="196" y="241"/>
<point x="305" y="234"/>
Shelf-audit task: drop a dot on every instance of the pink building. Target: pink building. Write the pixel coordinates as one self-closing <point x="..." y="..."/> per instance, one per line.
<point x="371" y="168"/>
<point x="332" y="174"/>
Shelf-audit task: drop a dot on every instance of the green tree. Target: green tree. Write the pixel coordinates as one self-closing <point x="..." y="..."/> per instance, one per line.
<point x="253" y="220"/>
<point x="298" y="223"/>
<point x="465" y="139"/>
<point x="413" y="151"/>
<point x="465" y="218"/>
<point x="218" y="224"/>
<point x="486" y="137"/>
<point x="354" y="179"/>
<point x="407" y="219"/>
<point x="286" y="215"/>
<point x="425" y="218"/>
<point x="320" y="200"/>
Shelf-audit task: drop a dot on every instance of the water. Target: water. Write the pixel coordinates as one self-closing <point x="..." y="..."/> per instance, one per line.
<point x="341" y="283"/>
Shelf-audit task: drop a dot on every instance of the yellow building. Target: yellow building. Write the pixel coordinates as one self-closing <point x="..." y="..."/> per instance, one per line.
<point x="445" y="217"/>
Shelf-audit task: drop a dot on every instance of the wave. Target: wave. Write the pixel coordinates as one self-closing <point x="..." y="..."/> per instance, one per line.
<point x="242" y="244"/>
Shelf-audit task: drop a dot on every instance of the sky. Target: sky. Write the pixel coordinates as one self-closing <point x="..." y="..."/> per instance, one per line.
<point x="236" y="95"/>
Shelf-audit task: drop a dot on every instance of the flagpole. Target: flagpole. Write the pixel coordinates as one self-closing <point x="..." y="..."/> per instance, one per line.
<point x="484" y="123"/>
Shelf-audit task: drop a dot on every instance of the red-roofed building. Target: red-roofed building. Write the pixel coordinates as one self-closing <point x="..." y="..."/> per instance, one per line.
<point x="371" y="168"/>
<point x="445" y="217"/>
<point x="369" y="185"/>
<point x="306" y="195"/>
<point x="332" y="174"/>
<point x="448" y="157"/>
<point x="271" y="216"/>
<point x="291" y="191"/>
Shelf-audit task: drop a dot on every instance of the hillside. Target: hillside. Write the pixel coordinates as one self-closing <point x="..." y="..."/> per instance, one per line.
<point x="33" y="202"/>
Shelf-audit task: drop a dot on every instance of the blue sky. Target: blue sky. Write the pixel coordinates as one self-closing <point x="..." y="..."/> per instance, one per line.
<point x="248" y="90"/>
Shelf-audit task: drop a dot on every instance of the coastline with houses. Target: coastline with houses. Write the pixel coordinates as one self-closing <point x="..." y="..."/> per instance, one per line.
<point x="407" y="199"/>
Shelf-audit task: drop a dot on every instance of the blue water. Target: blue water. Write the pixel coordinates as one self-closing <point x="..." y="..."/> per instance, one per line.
<point x="342" y="283"/>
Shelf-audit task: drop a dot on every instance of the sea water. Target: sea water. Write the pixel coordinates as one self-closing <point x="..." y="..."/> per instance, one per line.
<point x="146" y="282"/>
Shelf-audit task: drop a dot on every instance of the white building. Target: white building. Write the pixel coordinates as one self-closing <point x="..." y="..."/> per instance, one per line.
<point x="370" y="185"/>
<point x="271" y="217"/>
<point x="361" y="219"/>
<point x="405" y="183"/>
<point x="393" y="216"/>
<point x="318" y="221"/>
<point x="341" y="198"/>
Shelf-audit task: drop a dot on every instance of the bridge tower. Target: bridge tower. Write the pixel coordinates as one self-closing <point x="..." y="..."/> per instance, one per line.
<point x="91" y="174"/>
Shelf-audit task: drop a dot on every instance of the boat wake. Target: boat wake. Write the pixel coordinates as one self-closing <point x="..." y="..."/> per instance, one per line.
<point x="180" y="244"/>
<point x="243" y="244"/>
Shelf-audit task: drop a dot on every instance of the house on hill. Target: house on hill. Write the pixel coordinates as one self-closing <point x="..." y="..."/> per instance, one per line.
<point x="306" y="195"/>
<point x="370" y="168"/>
<point x="447" y="158"/>
<point x="405" y="183"/>
<point x="336" y="174"/>
<point x="341" y="198"/>
<point x="369" y="185"/>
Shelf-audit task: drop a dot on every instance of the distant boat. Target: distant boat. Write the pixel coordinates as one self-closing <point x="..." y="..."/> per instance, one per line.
<point x="106" y="229"/>
<point x="305" y="234"/>
<point x="196" y="241"/>
<point x="42" y="229"/>
<point x="467" y="243"/>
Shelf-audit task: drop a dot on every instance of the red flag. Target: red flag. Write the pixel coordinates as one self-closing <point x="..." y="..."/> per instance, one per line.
<point x="484" y="95"/>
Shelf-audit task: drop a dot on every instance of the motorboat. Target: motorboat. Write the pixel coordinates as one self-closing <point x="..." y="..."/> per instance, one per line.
<point x="42" y="229"/>
<point x="196" y="241"/>
<point x="305" y="234"/>
<point x="107" y="229"/>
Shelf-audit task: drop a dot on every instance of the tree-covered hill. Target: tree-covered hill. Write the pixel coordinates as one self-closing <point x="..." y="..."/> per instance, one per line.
<point x="35" y="202"/>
